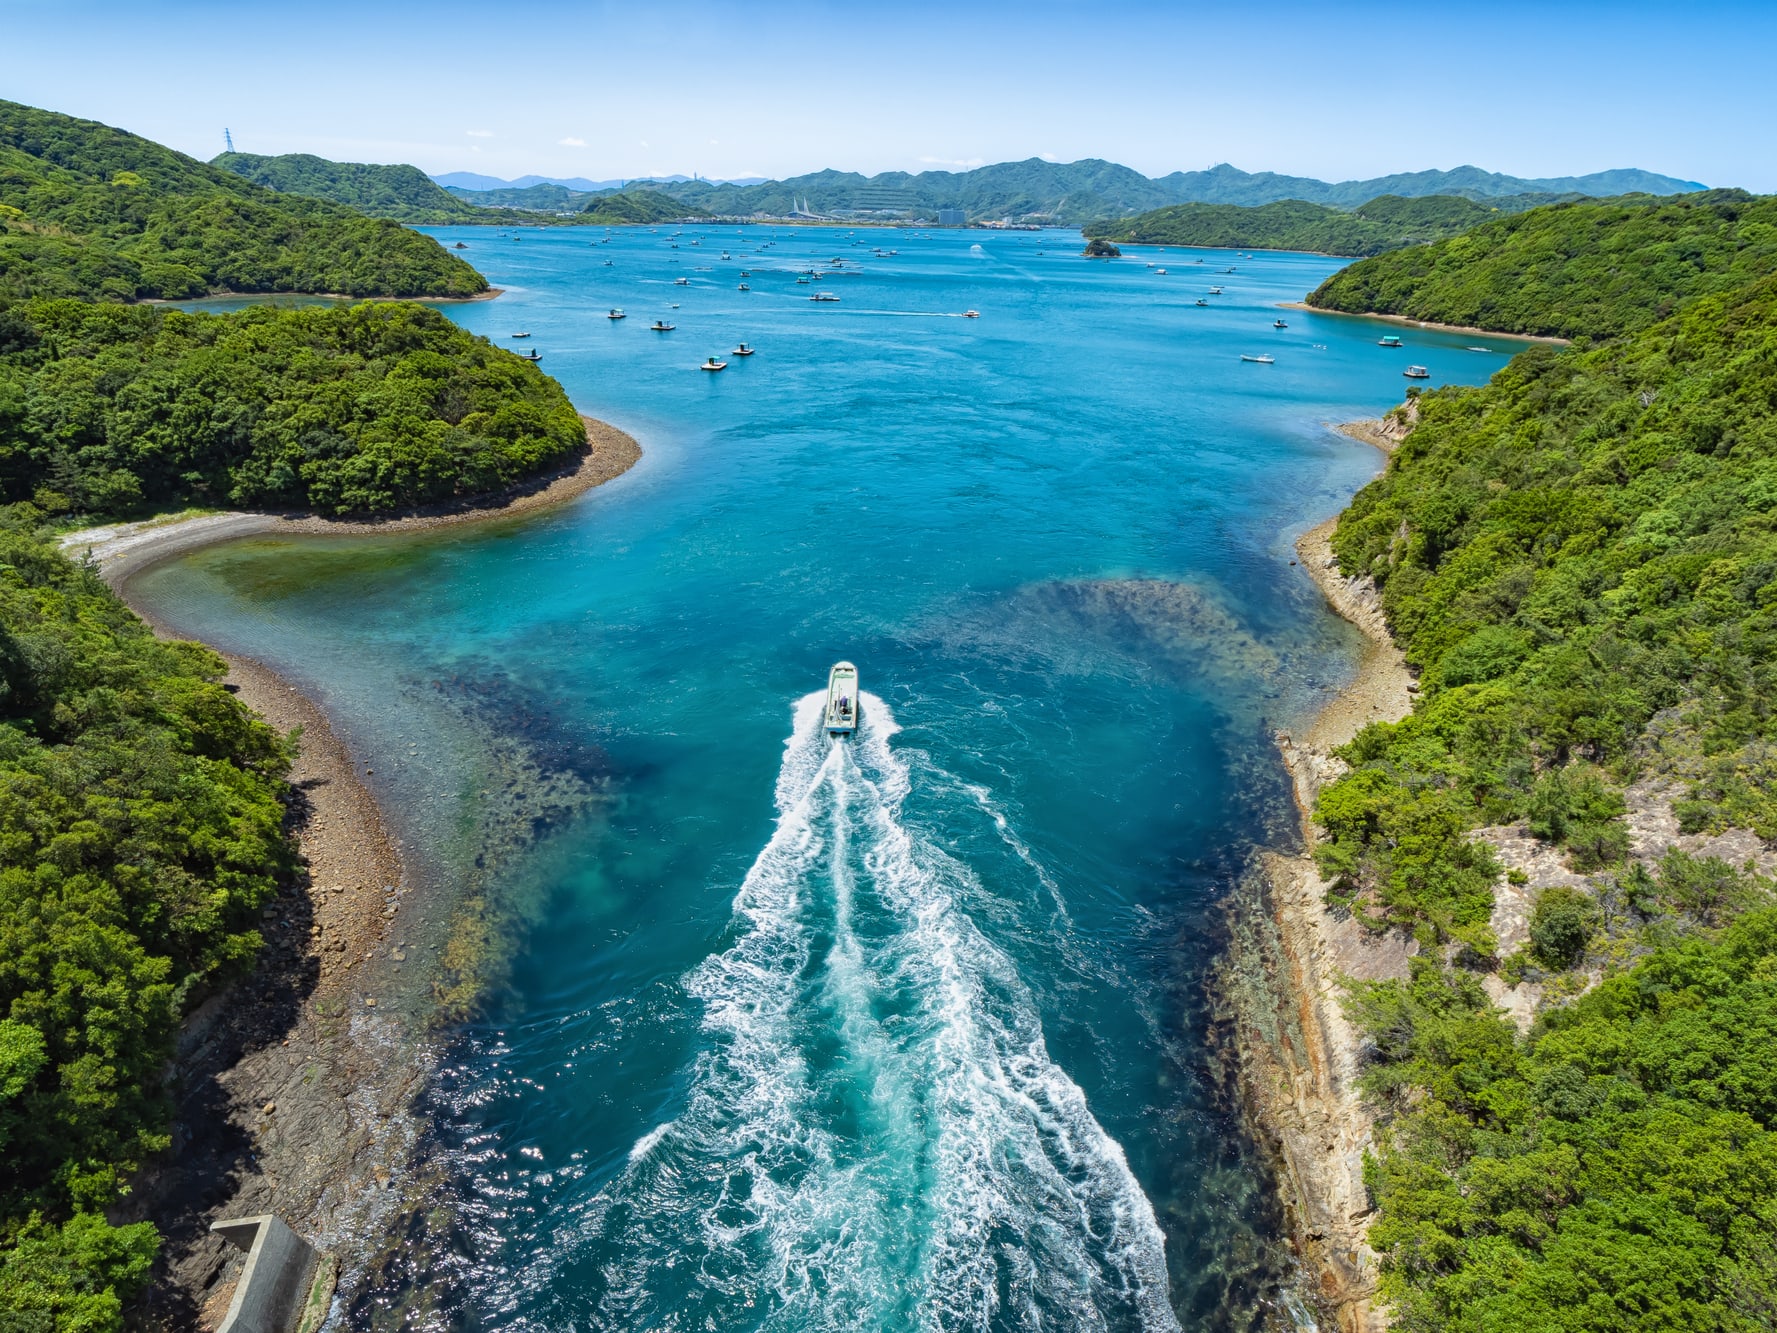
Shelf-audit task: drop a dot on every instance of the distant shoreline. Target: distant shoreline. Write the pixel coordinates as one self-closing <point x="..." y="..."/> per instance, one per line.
<point x="1405" y="322"/>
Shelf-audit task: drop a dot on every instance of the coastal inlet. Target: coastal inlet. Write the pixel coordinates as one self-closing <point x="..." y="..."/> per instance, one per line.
<point x="916" y="1033"/>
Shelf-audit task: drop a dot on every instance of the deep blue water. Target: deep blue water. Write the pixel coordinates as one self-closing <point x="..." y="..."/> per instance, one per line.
<point x="910" y="1031"/>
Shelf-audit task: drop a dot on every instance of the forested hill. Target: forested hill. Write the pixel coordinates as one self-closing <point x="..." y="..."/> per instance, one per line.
<point x="402" y="193"/>
<point x="95" y="212"/>
<point x="1386" y="223"/>
<point x="348" y="409"/>
<point x="1597" y="269"/>
<point x="1579" y="560"/>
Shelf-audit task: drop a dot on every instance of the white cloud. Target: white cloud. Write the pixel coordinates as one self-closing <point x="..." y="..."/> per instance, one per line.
<point x="953" y="161"/>
<point x="644" y="143"/>
<point x="572" y="142"/>
<point x="1049" y="157"/>
<point x="479" y="134"/>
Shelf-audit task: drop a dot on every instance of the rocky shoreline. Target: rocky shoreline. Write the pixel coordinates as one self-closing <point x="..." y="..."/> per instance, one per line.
<point x="293" y="1088"/>
<point x="1290" y="954"/>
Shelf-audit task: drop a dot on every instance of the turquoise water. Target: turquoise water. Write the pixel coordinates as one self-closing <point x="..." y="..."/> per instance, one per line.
<point x="910" y="1031"/>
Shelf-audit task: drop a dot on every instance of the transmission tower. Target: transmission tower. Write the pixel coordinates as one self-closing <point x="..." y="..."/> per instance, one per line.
<point x="228" y="139"/>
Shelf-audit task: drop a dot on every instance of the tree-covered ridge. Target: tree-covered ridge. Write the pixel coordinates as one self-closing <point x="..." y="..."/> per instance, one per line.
<point x="403" y="193"/>
<point x="1617" y="1170"/>
<point x="1586" y="543"/>
<point x="94" y="212"/>
<point x="349" y="409"/>
<point x="141" y="830"/>
<point x="1581" y="269"/>
<point x="633" y="206"/>
<point x="1387" y="223"/>
<point x="1075" y="193"/>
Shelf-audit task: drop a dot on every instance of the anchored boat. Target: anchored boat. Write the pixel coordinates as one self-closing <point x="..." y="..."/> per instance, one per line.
<point x="1388" y="340"/>
<point x="1261" y="360"/>
<point x="842" y="699"/>
<point x="1417" y="373"/>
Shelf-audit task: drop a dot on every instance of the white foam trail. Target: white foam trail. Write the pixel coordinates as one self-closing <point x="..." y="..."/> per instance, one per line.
<point x="875" y="1136"/>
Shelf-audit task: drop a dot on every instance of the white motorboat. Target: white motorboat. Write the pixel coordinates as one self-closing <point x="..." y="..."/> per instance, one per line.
<point x="842" y="699"/>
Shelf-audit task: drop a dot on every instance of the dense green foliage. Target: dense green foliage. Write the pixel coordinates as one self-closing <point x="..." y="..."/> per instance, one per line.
<point x="141" y="829"/>
<point x="341" y="409"/>
<point x="1592" y="269"/>
<point x="1382" y="224"/>
<point x="1581" y="547"/>
<point x="633" y="206"/>
<point x="94" y="212"/>
<point x="1617" y="1170"/>
<point x="403" y="193"/>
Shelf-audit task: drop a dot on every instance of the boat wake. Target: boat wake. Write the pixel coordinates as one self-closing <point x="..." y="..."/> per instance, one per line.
<point x="875" y="1136"/>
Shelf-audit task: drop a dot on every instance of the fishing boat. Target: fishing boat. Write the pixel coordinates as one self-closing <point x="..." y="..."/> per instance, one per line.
<point x="802" y="282"/>
<point x="1388" y="340"/>
<point x="1417" y="373"/>
<point x="1278" y="324"/>
<point x="823" y="296"/>
<point x="743" y="350"/>
<point x="610" y="264"/>
<point x="1261" y="360"/>
<point x="1201" y="301"/>
<point x="616" y="314"/>
<point x="1160" y="273"/>
<point x="971" y="314"/>
<point x="713" y="364"/>
<point x="531" y="356"/>
<point x="743" y="287"/>
<point x="842" y="699"/>
<point x="1215" y="291"/>
<point x="520" y="335"/>
<point x="661" y="326"/>
<point x="681" y="282"/>
<point x="1479" y="349"/>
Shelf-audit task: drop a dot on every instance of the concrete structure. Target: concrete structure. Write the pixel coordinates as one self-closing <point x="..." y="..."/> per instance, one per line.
<point x="274" y="1282"/>
<point x="952" y="217"/>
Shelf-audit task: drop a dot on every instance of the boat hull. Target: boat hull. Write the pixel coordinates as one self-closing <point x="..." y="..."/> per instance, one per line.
<point x="843" y="710"/>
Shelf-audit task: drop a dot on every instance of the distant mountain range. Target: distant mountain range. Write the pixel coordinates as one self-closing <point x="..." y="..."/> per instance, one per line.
<point x="1068" y="193"/>
<point x="469" y="180"/>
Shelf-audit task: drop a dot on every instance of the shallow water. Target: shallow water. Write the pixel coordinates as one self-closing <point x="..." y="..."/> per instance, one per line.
<point x="904" y="1032"/>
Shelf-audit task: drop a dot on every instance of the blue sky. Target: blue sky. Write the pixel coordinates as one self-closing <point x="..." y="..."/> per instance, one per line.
<point x="615" y="90"/>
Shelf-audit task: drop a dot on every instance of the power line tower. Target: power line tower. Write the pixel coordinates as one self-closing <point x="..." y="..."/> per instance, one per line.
<point x="228" y="138"/>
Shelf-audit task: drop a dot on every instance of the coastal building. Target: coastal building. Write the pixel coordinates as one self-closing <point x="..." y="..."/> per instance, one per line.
<point x="952" y="217"/>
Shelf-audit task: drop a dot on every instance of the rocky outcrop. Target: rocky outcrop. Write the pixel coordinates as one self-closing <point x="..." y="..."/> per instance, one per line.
<point x="1300" y="1057"/>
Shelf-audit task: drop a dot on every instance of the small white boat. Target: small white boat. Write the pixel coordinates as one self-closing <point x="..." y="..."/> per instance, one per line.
<point x="1215" y="291"/>
<point x="823" y="296"/>
<point x="743" y="350"/>
<point x="1261" y="360"/>
<point x="661" y="326"/>
<point x="681" y="282"/>
<point x="713" y="364"/>
<point x="1388" y="340"/>
<point x="1278" y="324"/>
<point x="842" y="699"/>
<point x="520" y="335"/>
<point x="1417" y="373"/>
<point x="616" y="314"/>
<point x="744" y="287"/>
<point x="531" y="356"/>
<point x="971" y="314"/>
<point x="1201" y="301"/>
<point x="1159" y="273"/>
